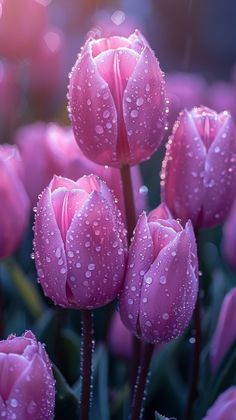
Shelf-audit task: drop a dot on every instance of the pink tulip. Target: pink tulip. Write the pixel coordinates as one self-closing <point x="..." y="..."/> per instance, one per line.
<point x="117" y="101"/>
<point x="46" y="70"/>
<point x="199" y="168"/>
<point x="229" y="237"/>
<point x="21" y="25"/>
<point x="14" y="202"/>
<point x="58" y="153"/>
<point x="224" y="335"/>
<point x="27" y="386"/>
<point x="161" y="283"/>
<point x="119" y="338"/>
<point x="224" y="408"/>
<point x="80" y="243"/>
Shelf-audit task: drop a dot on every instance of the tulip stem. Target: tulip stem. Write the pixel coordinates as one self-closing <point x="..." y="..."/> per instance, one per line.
<point x="141" y="382"/>
<point x="86" y="362"/>
<point x="196" y="360"/>
<point x="128" y="199"/>
<point x="130" y="224"/>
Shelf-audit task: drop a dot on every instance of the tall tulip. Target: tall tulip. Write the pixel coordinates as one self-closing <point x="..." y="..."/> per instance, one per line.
<point x="161" y="282"/>
<point x="199" y="169"/>
<point x="80" y="243"/>
<point x="27" y="386"/>
<point x="14" y="202"/>
<point x="116" y="100"/>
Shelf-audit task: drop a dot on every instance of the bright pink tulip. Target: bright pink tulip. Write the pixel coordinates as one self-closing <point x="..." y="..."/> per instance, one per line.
<point x="21" y="26"/>
<point x="117" y="101"/>
<point x="184" y="90"/>
<point x="46" y="70"/>
<point x="80" y="243"/>
<point x="224" y="408"/>
<point x="224" y="335"/>
<point x="199" y="168"/>
<point x="27" y="386"/>
<point x="59" y="154"/>
<point x="119" y="338"/>
<point x="14" y="202"/>
<point x="229" y="237"/>
<point x="161" y="281"/>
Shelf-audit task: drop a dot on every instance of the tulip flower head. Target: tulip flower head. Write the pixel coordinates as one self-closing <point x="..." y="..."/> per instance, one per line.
<point x="116" y="100"/>
<point x="224" y="336"/>
<point x="80" y="243"/>
<point x="14" y="202"/>
<point x="224" y="408"/>
<point x="161" y="283"/>
<point x="199" y="169"/>
<point x="27" y="386"/>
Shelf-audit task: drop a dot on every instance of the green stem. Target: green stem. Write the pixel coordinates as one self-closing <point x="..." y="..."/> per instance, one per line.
<point x="86" y="363"/>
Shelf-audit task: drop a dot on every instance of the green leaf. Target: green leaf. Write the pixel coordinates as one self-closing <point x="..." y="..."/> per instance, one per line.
<point x="26" y="289"/>
<point x="67" y="405"/>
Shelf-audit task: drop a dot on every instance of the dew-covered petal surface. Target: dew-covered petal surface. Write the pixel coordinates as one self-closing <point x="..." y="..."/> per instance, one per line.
<point x="11" y="366"/>
<point x="90" y="102"/>
<point x="140" y="258"/>
<point x="144" y="108"/>
<point x="49" y="250"/>
<point x="168" y="293"/>
<point x="183" y="170"/>
<point x="33" y="396"/>
<point x="96" y="254"/>
<point x="219" y="175"/>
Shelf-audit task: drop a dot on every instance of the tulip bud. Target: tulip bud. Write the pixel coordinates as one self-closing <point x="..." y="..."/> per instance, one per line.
<point x="116" y="100"/>
<point x="224" y="408"/>
<point x="14" y="202"/>
<point x="119" y="338"/>
<point x="161" y="283"/>
<point x="224" y="336"/>
<point x="80" y="243"/>
<point x="58" y="153"/>
<point x="27" y="386"/>
<point x="21" y="25"/>
<point x="199" y="169"/>
<point x="229" y="237"/>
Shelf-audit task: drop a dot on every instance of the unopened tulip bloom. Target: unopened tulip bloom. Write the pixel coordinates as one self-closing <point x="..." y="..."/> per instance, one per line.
<point x="116" y="100"/>
<point x="229" y="237"/>
<point x="27" y="386"/>
<point x="224" y="408"/>
<point x="80" y="243"/>
<point x="199" y="168"/>
<point x="59" y="154"/>
<point x="225" y="332"/>
<point x="119" y="338"/>
<point x="14" y="202"/>
<point x="21" y="26"/>
<point x="161" y="282"/>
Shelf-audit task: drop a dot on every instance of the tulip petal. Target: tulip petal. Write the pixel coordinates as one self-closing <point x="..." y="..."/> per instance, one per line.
<point x="144" y="108"/>
<point x="11" y="366"/>
<point x="33" y="396"/>
<point x="168" y="293"/>
<point x="95" y="254"/>
<point x="220" y="176"/>
<point x="50" y="257"/>
<point x="140" y="258"/>
<point x="90" y="102"/>
<point x="184" y="160"/>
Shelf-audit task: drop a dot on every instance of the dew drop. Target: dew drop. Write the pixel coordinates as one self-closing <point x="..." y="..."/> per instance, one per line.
<point x="165" y="316"/>
<point x="14" y="402"/>
<point x="134" y="113"/>
<point x="149" y="280"/>
<point x="139" y="102"/>
<point x="130" y="301"/>
<point x="99" y="129"/>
